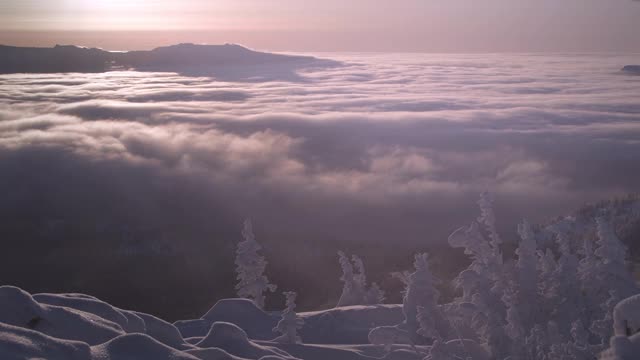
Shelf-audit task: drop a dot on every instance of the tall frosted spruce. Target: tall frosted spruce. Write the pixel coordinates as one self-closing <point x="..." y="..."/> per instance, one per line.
<point x="250" y="266"/>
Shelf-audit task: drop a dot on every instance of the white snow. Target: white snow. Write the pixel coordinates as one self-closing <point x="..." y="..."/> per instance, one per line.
<point x="234" y="340"/>
<point x="244" y="313"/>
<point x="626" y="316"/>
<point x="19" y="308"/>
<point x="163" y="331"/>
<point x="137" y="346"/>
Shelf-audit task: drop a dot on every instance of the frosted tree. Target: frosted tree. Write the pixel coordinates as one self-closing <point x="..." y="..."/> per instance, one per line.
<point x="475" y="245"/>
<point x="359" y="280"/>
<point x="440" y="351"/>
<point x="427" y="323"/>
<point x="488" y="218"/>
<point x="613" y="269"/>
<point x="290" y="323"/>
<point x="576" y="349"/>
<point x="386" y="336"/>
<point x="483" y="282"/>
<point x="603" y="327"/>
<point x="470" y="282"/>
<point x="522" y="299"/>
<point x="354" y="279"/>
<point x="547" y="266"/>
<point x="421" y="293"/>
<point x="374" y="295"/>
<point x="589" y="283"/>
<point x="349" y="296"/>
<point x="611" y="281"/>
<point x="486" y="255"/>
<point x="562" y="292"/>
<point x="250" y="267"/>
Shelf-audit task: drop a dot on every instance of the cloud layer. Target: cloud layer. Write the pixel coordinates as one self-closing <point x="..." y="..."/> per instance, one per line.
<point x="384" y="150"/>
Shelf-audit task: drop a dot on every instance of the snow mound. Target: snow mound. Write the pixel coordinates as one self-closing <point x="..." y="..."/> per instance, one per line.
<point x="387" y="336"/>
<point x="626" y="316"/>
<point x="467" y="349"/>
<point x="349" y="324"/>
<point x="403" y="354"/>
<point x="333" y="352"/>
<point x="135" y="324"/>
<point x="19" y="308"/>
<point x="86" y="304"/>
<point x="137" y="347"/>
<point x="245" y="314"/>
<point x="72" y="324"/>
<point x="194" y="340"/>
<point x="164" y="332"/>
<point x="212" y="354"/>
<point x="234" y="340"/>
<point x="623" y="348"/>
<point x="17" y="343"/>
<point x="224" y="333"/>
<point x="193" y="328"/>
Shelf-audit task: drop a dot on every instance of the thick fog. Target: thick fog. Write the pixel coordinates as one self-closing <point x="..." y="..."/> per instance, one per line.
<point x="145" y="178"/>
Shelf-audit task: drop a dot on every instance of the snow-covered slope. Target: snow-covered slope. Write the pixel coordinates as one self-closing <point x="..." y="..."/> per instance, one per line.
<point x="81" y="327"/>
<point x="566" y="293"/>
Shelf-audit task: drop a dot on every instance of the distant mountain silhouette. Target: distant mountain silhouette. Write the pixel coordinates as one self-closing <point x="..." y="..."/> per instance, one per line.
<point x="50" y="60"/>
<point x="632" y="69"/>
<point x="188" y="58"/>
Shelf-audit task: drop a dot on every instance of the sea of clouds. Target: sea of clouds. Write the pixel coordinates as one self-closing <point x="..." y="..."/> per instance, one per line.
<point x="389" y="150"/>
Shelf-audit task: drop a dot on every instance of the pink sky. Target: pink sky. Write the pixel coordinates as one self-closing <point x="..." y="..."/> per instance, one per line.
<point x="330" y="25"/>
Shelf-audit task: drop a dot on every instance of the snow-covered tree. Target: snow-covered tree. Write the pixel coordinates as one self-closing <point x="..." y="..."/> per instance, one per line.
<point x="592" y="298"/>
<point x="522" y="300"/>
<point x="386" y="336"/>
<point x="547" y="266"/>
<point x="562" y="296"/>
<point x="613" y="269"/>
<point x="484" y="282"/>
<point x="290" y="323"/>
<point x="421" y="293"/>
<point x="250" y="267"/>
<point x="349" y="295"/>
<point x="603" y="327"/>
<point x="427" y="323"/>
<point x="354" y="279"/>
<point x="577" y="348"/>
<point x="440" y="351"/>
<point x="359" y="280"/>
<point x="607" y="279"/>
<point x="475" y="245"/>
<point x="374" y="295"/>
<point x="488" y="218"/>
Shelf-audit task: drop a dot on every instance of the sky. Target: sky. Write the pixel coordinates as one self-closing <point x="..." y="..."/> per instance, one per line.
<point x="330" y="25"/>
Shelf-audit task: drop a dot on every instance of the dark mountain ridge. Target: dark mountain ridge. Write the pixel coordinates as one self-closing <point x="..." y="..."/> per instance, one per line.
<point x="70" y="58"/>
<point x="632" y="69"/>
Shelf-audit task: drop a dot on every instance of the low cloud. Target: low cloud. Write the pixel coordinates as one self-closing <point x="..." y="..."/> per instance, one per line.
<point x="384" y="150"/>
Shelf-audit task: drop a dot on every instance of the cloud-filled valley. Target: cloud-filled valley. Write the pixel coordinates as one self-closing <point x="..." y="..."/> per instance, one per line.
<point x="379" y="152"/>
